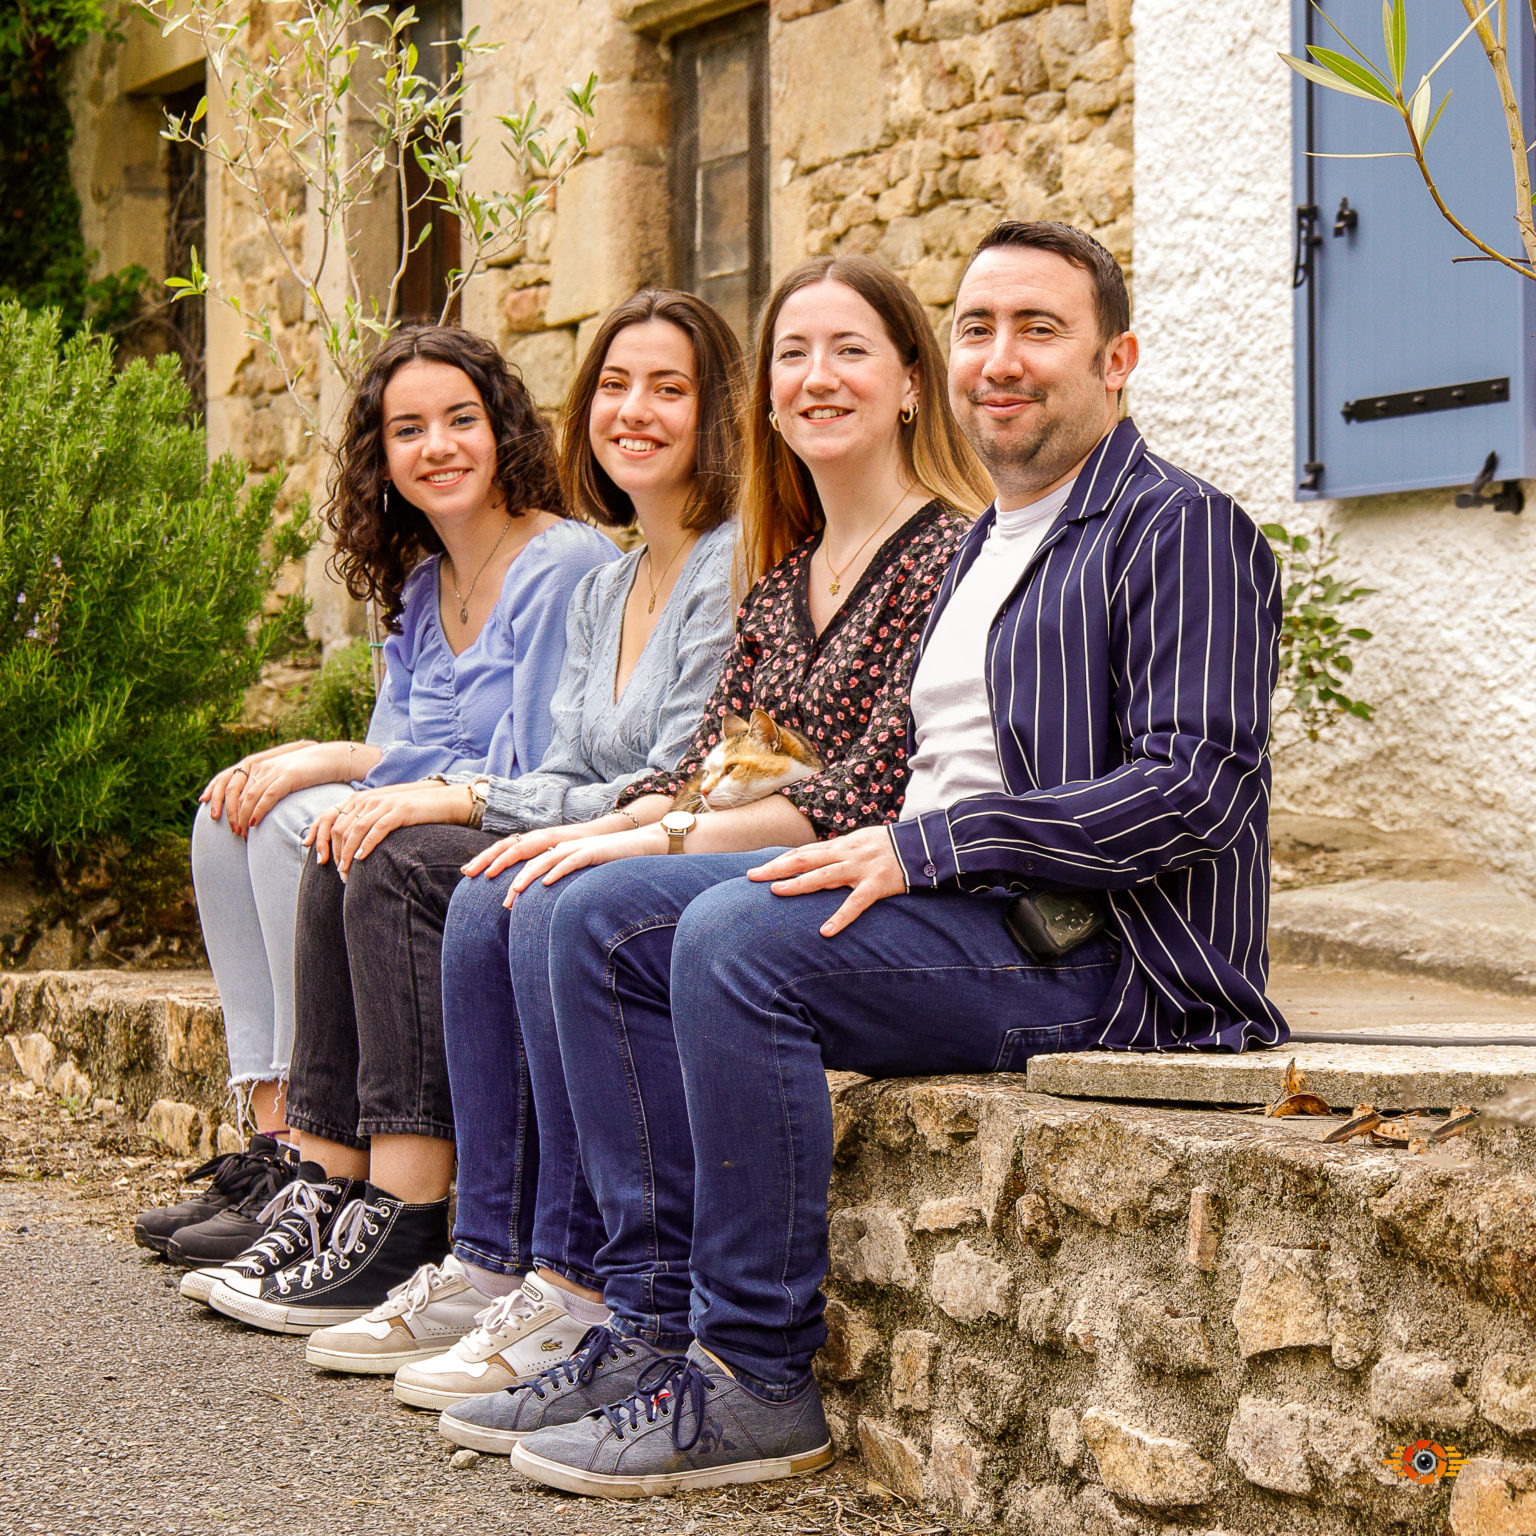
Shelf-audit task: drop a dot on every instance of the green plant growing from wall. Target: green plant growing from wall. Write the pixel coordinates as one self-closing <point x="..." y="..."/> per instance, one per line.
<point x="336" y="97"/>
<point x="1316" y="645"/>
<point x="1387" y="85"/>
<point x="136" y="593"/>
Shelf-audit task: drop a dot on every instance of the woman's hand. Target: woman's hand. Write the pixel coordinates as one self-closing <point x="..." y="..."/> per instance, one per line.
<point x="273" y="778"/>
<point x="519" y="846"/>
<point x="565" y="858"/>
<point x="227" y="785"/>
<point x="355" y="827"/>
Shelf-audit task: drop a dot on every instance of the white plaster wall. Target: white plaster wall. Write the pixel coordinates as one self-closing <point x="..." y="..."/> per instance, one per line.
<point x="1452" y="669"/>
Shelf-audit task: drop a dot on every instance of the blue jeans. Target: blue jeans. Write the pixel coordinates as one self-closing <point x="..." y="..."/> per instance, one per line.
<point x="697" y="1015"/>
<point x="522" y="1199"/>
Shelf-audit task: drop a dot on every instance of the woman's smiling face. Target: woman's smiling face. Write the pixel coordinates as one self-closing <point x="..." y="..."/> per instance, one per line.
<point x="438" y="441"/>
<point x="836" y="381"/>
<point x="646" y="410"/>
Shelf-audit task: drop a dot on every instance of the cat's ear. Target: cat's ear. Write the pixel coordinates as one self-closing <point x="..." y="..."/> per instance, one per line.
<point x="733" y="725"/>
<point x="764" y="730"/>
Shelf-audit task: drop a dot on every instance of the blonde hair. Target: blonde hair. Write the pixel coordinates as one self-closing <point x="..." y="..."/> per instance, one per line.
<point x="780" y="506"/>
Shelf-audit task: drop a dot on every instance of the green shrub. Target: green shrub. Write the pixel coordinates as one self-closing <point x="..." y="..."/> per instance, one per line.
<point x="136" y="601"/>
<point x="338" y="702"/>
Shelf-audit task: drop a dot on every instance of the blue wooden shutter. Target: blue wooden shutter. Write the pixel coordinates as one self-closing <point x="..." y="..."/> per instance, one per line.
<point x="1381" y="308"/>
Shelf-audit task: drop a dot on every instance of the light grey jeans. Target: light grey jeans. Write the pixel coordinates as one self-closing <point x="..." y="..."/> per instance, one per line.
<point x="247" y="901"/>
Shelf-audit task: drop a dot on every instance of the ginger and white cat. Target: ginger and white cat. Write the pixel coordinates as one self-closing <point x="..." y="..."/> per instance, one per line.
<point x="751" y="760"/>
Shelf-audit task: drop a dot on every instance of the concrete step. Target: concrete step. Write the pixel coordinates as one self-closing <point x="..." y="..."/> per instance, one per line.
<point x="1469" y="928"/>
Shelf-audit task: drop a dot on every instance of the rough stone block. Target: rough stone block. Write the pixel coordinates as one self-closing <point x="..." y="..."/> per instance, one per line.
<point x="948" y="1215"/>
<point x="194" y="1037"/>
<point x="228" y="1139"/>
<point x="1282" y="1302"/>
<point x="1507" y="1396"/>
<point x="1035" y="1223"/>
<point x="1154" y="1471"/>
<point x="1204" y="1235"/>
<point x="35" y="1056"/>
<point x="912" y="1354"/>
<point x="181" y="1127"/>
<point x="958" y="1467"/>
<point x="851" y="1344"/>
<point x="546" y="362"/>
<point x="988" y="1396"/>
<point x="1066" y="1437"/>
<point x="1494" y="1498"/>
<point x="1268" y="1442"/>
<point x="1084" y="1330"/>
<point x="1114" y="1173"/>
<point x="1065" y="40"/>
<point x="1418" y="1391"/>
<point x="867" y="1245"/>
<point x="828" y="83"/>
<point x="1041" y="1320"/>
<point x="970" y="1286"/>
<point x="1158" y="1337"/>
<point x="611" y="234"/>
<point x="891" y="1459"/>
<point x="69" y="1082"/>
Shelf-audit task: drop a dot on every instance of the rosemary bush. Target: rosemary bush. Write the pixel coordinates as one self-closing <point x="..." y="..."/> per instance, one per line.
<point x="136" y="593"/>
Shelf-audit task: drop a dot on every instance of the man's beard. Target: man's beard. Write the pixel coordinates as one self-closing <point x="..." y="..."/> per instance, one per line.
<point x="1005" y="449"/>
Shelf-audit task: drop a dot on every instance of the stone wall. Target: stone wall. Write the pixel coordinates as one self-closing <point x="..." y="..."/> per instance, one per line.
<point x="1453" y="666"/>
<point x="1079" y="1318"/>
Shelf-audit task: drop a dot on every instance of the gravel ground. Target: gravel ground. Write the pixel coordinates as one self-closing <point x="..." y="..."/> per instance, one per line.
<point x="125" y="1409"/>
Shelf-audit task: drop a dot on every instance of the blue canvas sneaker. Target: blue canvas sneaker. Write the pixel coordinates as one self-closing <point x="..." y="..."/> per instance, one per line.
<point x="604" y="1369"/>
<point x="690" y="1424"/>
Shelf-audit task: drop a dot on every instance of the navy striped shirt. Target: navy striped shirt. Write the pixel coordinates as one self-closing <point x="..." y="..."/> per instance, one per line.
<point x="1130" y="675"/>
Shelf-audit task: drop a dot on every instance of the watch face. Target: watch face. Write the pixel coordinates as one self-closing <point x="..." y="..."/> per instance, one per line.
<point x="678" y="821"/>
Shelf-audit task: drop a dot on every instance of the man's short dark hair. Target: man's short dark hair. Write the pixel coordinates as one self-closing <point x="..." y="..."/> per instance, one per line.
<point x="1111" y="301"/>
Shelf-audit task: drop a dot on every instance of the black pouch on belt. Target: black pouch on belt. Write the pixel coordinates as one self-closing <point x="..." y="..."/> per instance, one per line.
<point x="1049" y="924"/>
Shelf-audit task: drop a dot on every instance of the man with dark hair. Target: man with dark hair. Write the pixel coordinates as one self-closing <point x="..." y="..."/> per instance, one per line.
<point x="1081" y="862"/>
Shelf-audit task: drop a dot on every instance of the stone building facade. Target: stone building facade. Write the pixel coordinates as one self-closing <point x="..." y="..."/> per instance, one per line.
<point x="734" y="139"/>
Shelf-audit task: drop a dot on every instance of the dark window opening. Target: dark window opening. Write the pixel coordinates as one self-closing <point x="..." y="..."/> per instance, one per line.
<point x="185" y="321"/>
<point x="424" y="284"/>
<point x="720" y="164"/>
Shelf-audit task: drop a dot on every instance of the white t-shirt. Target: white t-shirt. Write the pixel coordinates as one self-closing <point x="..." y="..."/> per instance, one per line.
<point x="956" y="752"/>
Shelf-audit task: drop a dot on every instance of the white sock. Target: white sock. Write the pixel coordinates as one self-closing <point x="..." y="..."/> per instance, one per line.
<point x="589" y="1312"/>
<point x="489" y="1283"/>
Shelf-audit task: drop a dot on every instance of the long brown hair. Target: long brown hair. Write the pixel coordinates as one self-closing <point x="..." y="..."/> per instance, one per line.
<point x="721" y="378"/>
<point x="781" y="508"/>
<point x="380" y="537"/>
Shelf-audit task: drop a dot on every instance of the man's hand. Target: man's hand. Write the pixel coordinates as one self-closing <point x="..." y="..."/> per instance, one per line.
<point x="865" y="860"/>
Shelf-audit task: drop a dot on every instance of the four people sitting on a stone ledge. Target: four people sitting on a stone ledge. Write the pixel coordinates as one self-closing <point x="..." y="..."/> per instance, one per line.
<point x="1017" y="788"/>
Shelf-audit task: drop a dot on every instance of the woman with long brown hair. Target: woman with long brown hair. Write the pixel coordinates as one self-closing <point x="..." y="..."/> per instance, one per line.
<point x="860" y="488"/>
<point x="649" y="441"/>
<point x="446" y="510"/>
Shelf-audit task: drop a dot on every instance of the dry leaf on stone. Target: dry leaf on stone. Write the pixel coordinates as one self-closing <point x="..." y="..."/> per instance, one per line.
<point x="1461" y="1117"/>
<point x="1298" y="1104"/>
<point x="1364" y="1120"/>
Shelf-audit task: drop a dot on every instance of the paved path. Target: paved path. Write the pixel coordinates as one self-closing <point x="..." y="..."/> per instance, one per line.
<point x="125" y="1410"/>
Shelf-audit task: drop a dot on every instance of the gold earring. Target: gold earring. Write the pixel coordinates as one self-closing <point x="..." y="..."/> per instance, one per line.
<point x="909" y="413"/>
<point x="773" y="420"/>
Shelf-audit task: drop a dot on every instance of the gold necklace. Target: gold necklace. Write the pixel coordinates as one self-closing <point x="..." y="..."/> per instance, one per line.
<point x="464" y="597"/>
<point x="650" y="563"/>
<point x="836" y="584"/>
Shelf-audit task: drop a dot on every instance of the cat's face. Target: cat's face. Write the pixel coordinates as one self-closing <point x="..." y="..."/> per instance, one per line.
<point x="753" y="759"/>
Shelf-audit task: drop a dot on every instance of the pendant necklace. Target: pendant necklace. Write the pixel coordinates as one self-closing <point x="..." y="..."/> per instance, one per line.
<point x="464" y="597"/>
<point x="650" y="563"/>
<point x="836" y="584"/>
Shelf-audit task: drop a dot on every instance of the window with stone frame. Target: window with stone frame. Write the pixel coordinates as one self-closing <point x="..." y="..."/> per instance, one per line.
<point x="720" y="164"/>
<point x="424" y="284"/>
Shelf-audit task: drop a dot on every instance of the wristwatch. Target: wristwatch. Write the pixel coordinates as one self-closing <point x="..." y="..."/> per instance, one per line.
<point x="478" y="790"/>
<point x="677" y="825"/>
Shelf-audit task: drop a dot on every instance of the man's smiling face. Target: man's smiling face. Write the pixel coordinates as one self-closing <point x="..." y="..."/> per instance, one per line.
<point x="1032" y="379"/>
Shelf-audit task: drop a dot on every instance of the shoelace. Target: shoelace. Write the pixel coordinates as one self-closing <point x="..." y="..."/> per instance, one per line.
<point x="418" y="1291"/>
<point x="293" y="1208"/>
<point x="596" y="1345"/>
<point x="238" y="1173"/>
<point x="660" y="1389"/>
<point x="346" y="1238"/>
<point x="515" y="1305"/>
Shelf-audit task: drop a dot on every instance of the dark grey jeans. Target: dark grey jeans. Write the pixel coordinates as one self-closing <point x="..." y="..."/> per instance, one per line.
<point x="368" y="1054"/>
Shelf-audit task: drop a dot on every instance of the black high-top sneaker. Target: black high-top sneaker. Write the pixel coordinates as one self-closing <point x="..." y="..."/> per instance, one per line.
<point x="377" y="1242"/>
<point x="225" y="1236"/>
<point x="298" y="1221"/>
<point x="235" y="1175"/>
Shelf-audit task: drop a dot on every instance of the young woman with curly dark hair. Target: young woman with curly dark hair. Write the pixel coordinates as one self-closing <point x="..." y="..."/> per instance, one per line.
<point x="446" y="510"/>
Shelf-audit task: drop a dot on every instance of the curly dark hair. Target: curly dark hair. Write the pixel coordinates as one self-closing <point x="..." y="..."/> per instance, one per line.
<point x="717" y="436"/>
<point x="379" y="536"/>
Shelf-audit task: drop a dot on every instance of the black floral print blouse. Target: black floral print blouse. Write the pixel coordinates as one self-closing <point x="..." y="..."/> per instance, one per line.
<point x="846" y="689"/>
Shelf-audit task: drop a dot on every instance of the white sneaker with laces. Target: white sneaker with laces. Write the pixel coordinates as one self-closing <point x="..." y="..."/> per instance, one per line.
<point x="516" y="1337"/>
<point x="431" y="1311"/>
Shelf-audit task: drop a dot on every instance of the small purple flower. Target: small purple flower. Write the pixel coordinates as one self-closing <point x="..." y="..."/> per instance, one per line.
<point x="21" y="597"/>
